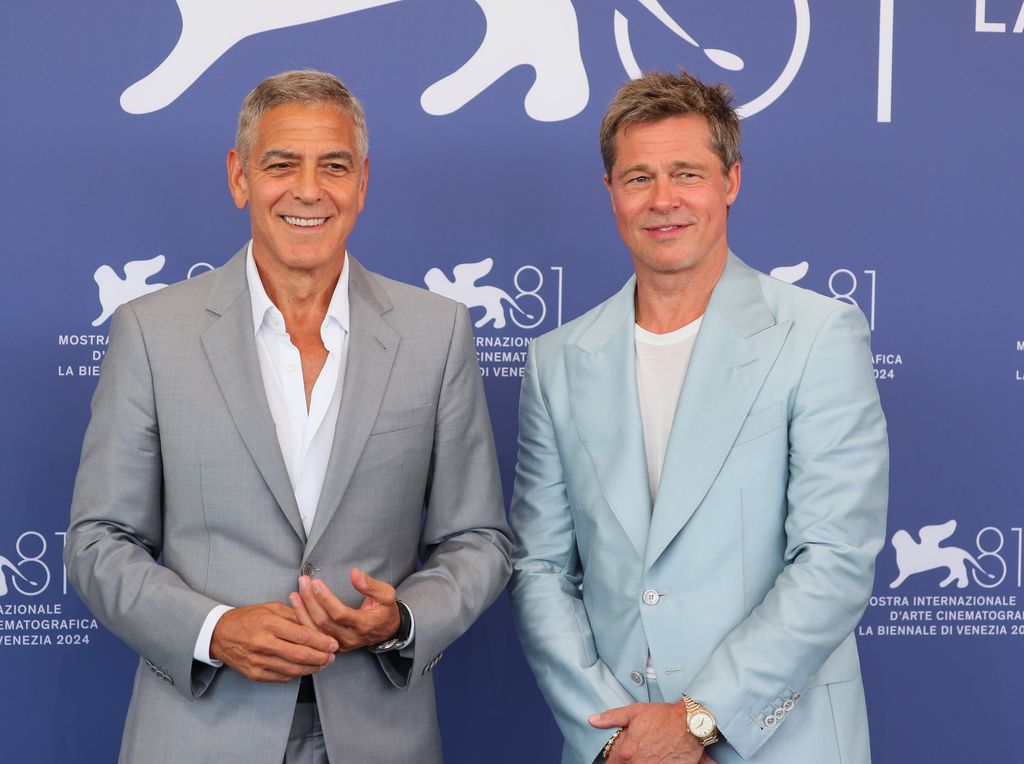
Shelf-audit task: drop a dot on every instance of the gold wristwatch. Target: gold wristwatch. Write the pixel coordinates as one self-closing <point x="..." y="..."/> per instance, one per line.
<point x="700" y="722"/>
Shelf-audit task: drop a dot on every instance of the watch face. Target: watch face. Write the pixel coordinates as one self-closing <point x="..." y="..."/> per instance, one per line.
<point x="701" y="724"/>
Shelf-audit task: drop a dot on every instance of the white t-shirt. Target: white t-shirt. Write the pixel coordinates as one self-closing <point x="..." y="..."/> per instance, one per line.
<point x="661" y="363"/>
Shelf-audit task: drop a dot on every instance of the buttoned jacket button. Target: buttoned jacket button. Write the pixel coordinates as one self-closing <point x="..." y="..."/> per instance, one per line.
<point x="769" y="721"/>
<point x="787" y="705"/>
<point x="637" y="677"/>
<point x="307" y="568"/>
<point x="651" y="597"/>
<point x="778" y="713"/>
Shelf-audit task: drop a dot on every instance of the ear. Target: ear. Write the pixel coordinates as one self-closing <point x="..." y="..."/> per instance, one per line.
<point x="608" y="188"/>
<point x="238" y="185"/>
<point x="732" y="184"/>
<point x="363" y="183"/>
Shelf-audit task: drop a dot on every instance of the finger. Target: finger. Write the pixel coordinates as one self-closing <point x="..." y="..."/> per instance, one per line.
<point x="369" y="586"/>
<point x="299" y="609"/>
<point x="275" y="668"/>
<point x="303" y="633"/>
<point x="294" y="643"/>
<point x="282" y="610"/>
<point x="314" y="608"/>
<point x="324" y="607"/>
<point x="613" y="717"/>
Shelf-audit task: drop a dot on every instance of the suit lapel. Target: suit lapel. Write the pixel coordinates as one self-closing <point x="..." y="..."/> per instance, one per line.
<point x="372" y="347"/>
<point x="230" y="347"/>
<point x="736" y="347"/>
<point x="601" y="373"/>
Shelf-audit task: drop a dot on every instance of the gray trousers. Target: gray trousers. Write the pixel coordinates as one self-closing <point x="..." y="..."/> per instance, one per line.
<point x="306" y="739"/>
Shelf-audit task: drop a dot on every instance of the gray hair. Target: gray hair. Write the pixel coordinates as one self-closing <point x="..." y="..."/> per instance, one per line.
<point x="306" y="86"/>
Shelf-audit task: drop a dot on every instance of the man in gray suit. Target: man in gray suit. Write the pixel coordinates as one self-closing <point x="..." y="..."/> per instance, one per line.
<point x="289" y="421"/>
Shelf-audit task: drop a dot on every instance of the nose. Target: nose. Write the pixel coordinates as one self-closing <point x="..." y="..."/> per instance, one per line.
<point x="664" y="197"/>
<point x="307" y="187"/>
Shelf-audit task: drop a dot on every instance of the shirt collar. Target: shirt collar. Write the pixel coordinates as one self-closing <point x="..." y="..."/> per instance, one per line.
<point x="338" y="309"/>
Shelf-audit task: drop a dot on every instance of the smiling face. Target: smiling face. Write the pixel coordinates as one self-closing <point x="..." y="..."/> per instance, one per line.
<point x="305" y="185"/>
<point x="671" y="197"/>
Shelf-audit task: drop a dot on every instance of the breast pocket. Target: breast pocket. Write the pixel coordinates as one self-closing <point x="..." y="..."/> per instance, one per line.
<point x="759" y="423"/>
<point x="404" y="419"/>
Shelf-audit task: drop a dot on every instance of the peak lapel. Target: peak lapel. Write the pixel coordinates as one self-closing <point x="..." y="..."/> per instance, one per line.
<point x="736" y="347"/>
<point x="230" y="347"/>
<point x="601" y="373"/>
<point x="372" y="347"/>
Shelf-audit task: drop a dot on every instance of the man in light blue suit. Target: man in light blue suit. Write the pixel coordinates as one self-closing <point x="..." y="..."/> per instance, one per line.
<point x="702" y="478"/>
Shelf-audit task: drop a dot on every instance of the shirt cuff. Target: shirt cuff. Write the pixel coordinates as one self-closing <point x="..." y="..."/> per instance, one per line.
<point x="202" y="651"/>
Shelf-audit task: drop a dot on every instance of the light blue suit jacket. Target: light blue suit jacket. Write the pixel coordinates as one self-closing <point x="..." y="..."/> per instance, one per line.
<point x="760" y="547"/>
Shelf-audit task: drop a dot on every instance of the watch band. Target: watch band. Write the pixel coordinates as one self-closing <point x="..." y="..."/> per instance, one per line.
<point x="607" y="750"/>
<point x="692" y="709"/>
<point x="401" y="638"/>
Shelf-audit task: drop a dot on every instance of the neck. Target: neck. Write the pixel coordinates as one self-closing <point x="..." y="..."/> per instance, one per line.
<point x="299" y="294"/>
<point x="669" y="301"/>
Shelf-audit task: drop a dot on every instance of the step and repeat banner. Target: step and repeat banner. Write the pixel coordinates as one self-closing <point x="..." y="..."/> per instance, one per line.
<point x="883" y="159"/>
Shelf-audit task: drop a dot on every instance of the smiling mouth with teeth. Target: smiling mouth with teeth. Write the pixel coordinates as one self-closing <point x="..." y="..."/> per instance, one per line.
<point x="303" y="222"/>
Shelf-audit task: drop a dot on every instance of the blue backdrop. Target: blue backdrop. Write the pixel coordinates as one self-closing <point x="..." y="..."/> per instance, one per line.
<point x="883" y="158"/>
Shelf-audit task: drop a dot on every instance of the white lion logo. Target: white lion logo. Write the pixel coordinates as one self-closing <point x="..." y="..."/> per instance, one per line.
<point x="6" y="565"/>
<point x="790" y="273"/>
<point x="115" y="291"/>
<point x="912" y="557"/>
<point x="542" y="34"/>
<point x="464" y="289"/>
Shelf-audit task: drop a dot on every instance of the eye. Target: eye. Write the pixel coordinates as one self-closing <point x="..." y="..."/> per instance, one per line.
<point x="336" y="168"/>
<point x="637" y="180"/>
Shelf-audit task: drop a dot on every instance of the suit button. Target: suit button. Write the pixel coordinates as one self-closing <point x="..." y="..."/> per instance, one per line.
<point x="778" y="713"/>
<point x="769" y="721"/>
<point x="637" y="677"/>
<point x="307" y="569"/>
<point x="651" y="597"/>
<point x="787" y="705"/>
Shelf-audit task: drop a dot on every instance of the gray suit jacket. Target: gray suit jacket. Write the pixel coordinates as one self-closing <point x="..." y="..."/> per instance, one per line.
<point x="181" y="459"/>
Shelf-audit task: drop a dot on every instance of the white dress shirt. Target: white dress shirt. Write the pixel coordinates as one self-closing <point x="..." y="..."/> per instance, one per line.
<point x="305" y="435"/>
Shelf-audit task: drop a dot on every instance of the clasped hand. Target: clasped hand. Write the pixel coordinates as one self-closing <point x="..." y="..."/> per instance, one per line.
<point x="272" y="642"/>
<point x="652" y="733"/>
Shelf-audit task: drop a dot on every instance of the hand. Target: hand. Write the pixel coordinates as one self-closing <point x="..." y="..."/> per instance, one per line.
<point x="267" y="643"/>
<point x="376" y="620"/>
<point x="652" y="733"/>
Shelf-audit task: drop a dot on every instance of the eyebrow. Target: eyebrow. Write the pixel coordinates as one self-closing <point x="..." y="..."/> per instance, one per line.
<point x="266" y="156"/>
<point x="272" y="154"/>
<point x="646" y="168"/>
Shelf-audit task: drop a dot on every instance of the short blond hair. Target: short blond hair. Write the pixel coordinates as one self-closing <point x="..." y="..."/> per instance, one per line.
<point x="662" y="95"/>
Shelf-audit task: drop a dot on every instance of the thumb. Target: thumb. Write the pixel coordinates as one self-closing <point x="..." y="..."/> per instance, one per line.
<point x="613" y="717"/>
<point x="370" y="587"/>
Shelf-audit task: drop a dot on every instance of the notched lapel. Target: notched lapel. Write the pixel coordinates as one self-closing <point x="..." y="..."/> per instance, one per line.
<point x="736" y="347"/>
<point x="601" y="374"/>
<point x="230" y="347"/>
<point x="373" y="346"/>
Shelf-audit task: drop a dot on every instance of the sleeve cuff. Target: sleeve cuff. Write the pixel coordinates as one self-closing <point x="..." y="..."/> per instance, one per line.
<point x="202" y="651"/>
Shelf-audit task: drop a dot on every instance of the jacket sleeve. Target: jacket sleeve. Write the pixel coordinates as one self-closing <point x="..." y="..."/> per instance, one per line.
<point x="550" y="617"/>
<point x="837" y="496"/>
<point x="115" y="535"/>
<point x="465" y="543"/>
